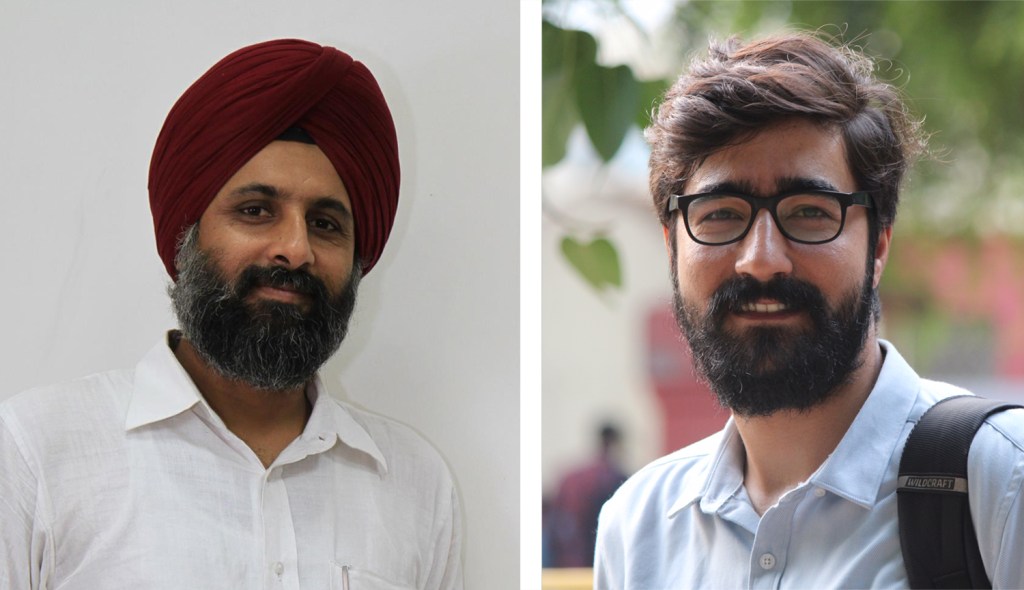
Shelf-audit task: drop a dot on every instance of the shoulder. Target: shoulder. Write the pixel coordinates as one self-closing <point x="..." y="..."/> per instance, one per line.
<point x="678" y="477"/>
<point x="995" y="476"/>
<point x="997" y="451"/>
<point x="633" y="524"/>
<point x="932" y="392"/>
<point x="50" y="414"/>
<point x="82" y="392"/>
<point x="408" y="454"/>
<point x="1007" y="426"/>
<point x="680" y="466"/>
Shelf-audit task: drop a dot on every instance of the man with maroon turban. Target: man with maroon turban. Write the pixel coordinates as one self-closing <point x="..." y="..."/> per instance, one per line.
<point x="221" y="461"/>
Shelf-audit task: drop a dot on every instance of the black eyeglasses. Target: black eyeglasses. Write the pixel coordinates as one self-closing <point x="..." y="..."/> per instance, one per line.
<point x="804" y="216"/>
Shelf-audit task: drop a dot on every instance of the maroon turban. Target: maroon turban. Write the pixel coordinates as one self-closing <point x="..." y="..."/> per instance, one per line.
<point x="247" y="100"/>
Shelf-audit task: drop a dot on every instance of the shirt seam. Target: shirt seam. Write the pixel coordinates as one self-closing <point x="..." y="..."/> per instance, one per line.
<point x="1002" y="432"/>
<point x="44" y="502"/>
<point x="1008" y="502"/>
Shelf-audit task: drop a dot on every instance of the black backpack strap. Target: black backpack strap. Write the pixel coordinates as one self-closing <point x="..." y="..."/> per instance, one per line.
<point x="937" y="536"/>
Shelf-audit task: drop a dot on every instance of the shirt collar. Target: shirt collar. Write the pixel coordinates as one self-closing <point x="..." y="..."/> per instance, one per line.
<point x="856" y="468"/>
<point x="719" y="475"/>
<point x="163" y="389"/>
<point x="330" y="418"/>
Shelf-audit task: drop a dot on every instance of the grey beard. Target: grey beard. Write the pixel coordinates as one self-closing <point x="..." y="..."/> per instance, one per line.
<point x="267" y="345"/>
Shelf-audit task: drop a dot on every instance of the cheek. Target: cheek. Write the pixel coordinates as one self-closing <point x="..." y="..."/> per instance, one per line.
<point x="700" y="270"/>
<point x="333" y="266"/>
<point x="835" y="268"/>
<point x="230" y="256"/>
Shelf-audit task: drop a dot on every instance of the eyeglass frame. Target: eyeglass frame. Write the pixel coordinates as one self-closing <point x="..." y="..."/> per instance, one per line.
<point x="858" y="198"/>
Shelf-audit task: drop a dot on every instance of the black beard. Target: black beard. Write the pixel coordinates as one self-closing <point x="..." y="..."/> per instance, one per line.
<point x="767" y="369"/>
<point x="268" y="345"/>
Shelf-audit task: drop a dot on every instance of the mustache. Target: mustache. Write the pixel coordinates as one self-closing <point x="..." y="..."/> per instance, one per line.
<point x="279" y="277"/>
<point x="737" y="292"/>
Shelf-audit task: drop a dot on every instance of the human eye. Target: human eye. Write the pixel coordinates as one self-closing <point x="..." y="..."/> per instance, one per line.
<point x="809" y="212"/>
<point x="721" y="215"/>
<point x="328" y="226"/>
<point x="717" y="210"/>
<point x="325" y="224"/>
<point x="254" y="210"/>
<point x="810" y="208"/>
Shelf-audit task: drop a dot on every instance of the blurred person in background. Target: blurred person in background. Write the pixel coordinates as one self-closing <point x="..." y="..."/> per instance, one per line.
<point x="570" y="520"/>
<point x="776" y="169"/>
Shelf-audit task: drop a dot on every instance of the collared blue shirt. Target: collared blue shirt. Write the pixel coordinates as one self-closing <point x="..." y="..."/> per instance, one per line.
<point x="685" y="521"/>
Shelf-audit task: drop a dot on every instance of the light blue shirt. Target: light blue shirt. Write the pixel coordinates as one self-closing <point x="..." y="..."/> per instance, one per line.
<point x="685" y="521"/>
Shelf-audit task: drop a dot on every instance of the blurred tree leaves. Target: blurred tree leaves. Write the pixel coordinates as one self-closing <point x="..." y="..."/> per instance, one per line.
<point x="597" y="261"/>
<point x="558" y="111"/>
<point x="576" y="89"/>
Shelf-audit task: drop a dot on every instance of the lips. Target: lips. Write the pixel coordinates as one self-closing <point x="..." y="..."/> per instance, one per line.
<point x="282" y="286"/>
<point x="284" y="294"/>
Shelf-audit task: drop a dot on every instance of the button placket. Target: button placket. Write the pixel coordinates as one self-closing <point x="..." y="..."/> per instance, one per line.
<point x="768" y="552"/>
<point x="279" y="532"/>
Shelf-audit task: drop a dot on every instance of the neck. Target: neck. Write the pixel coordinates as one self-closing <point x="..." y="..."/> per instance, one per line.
<point x="267" y="421"/>
<point x="785" y="448"/>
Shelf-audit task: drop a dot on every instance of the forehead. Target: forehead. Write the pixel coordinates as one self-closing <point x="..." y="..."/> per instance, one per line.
<point x="794" y="149"/>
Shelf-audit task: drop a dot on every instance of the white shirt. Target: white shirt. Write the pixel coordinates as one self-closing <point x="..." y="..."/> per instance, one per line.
<point x="685" y="520"/>
<point x="129" y="480"/>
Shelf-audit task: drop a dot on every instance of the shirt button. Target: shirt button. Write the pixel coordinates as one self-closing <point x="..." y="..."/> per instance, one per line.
<point x="767" y="561"/>
<point x="818" y="492"/>
<point x="279" y="568"/>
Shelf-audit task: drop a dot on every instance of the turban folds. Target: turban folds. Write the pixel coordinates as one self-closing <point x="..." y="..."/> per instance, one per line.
<point x="246" y="101"/>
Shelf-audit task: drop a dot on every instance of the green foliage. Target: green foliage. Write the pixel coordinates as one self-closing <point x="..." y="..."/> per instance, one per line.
<point x="596" y="261"/>
<point x="650" y="95"/>
<point x="607" y="101"/>
<point x="576" y="89"/>
<point x="558" y="111"/>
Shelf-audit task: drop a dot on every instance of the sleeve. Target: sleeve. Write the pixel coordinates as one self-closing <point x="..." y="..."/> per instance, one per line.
<point x="22" y="535"/>
<point x="995" y="474"/>
<point x="1009" y="567"/>
<point x="608" y="550"/>
<point x="448" y="559"/>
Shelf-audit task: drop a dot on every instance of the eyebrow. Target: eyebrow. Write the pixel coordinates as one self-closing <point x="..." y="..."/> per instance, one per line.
<point x="783" y="185"/>
<point x="272" y="192"/>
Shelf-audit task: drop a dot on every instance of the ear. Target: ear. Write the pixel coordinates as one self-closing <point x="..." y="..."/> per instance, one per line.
<point x="882" y="253"/>
<point x="670" y="246"/>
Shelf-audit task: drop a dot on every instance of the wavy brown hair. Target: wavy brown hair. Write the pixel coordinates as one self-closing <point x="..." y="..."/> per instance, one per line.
<point x="738" y="89"/>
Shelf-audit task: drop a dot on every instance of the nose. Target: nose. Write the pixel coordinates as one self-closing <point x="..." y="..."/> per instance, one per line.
<point x="289" y="245"/>
<point x="764" y="251"/>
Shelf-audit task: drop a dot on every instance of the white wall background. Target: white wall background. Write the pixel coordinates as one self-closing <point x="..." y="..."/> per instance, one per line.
<point x="84" y="89"/>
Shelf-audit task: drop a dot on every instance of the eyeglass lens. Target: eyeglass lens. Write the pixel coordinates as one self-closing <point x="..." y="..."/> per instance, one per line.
<point x="717" y="219"/>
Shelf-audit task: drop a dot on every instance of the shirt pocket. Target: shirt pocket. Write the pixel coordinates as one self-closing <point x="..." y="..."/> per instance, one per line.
<point x="347" y="577"/>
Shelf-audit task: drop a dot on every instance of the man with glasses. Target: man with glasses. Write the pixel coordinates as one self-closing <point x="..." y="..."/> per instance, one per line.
<point x="775" y="171"/>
